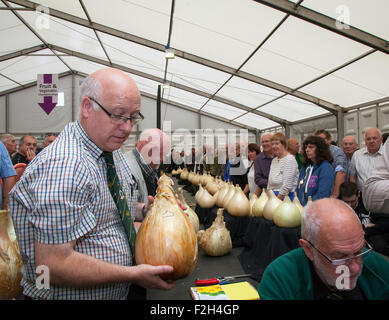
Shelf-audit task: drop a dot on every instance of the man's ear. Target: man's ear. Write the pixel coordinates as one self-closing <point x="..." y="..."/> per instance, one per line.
<point x="86" y="107"/>
<point x="307" y="248"/>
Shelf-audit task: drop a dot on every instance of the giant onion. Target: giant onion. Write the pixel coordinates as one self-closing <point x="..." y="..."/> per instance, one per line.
<point x="287" y="214"/>
<point x="216" y="240"/>
<point x="184" y="174"/>
<point x="229" y="195"/>
<point x="10" y="261"/>
<point x="238" y="205"/>
<point x="166" y="236"/>
<point x="222" y="192"/>
<point x="297" y="202"/>
<point x="271" y="205"/>
<point x="259" y="204"/>
<point x="194" y="219"/>
<point x="252" y="201"/>
<point x="205" y="199"/>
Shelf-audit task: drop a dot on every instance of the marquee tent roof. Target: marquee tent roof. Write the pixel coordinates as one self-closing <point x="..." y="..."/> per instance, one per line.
<point x="255" y="63"/>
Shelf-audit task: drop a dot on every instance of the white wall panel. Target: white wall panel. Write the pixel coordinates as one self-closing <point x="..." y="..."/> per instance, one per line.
<point x="367" y="119"/>
<point x="26" y="116"/>
<point x="383" y="118"/>
<point x="351" y="125"/>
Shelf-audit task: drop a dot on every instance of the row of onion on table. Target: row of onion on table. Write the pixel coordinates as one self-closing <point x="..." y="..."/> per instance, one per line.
<point x="216" y="192"/>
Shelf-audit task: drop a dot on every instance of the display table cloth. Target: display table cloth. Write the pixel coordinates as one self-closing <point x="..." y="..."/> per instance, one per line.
<point x="264" y="242"/>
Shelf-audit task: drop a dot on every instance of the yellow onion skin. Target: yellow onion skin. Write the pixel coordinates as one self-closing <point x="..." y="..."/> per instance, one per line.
<point x="271" y="205"/>
<point x="216" y="240"/>
<point x="287" y="214"/>
<point x="184" y="174"/>
<point x="167" y="237"/>
<point x="297" y="202"/>
<point x="259" y="204"/>
<point x="10" y="261"/>
<point x="238" y="205"/>
<point x="252" y="201"/>
<point x="206" y="200"/>
<point x="194" y="219"/>
<point x="222" y="193"/>
<point x="229" y="195"/>
<point x="212" y="187"/>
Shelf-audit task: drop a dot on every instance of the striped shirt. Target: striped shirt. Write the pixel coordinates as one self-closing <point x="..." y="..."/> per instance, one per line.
<point x="283" y="175"/>
<point x="63" y="196"/>
<point x="362" y="165"/>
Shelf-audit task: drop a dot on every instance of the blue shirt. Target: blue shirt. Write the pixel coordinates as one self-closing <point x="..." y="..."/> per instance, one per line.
<point x="318" y="184"/>
<point x="6" y="167"/>
<point x="340" y="159"/>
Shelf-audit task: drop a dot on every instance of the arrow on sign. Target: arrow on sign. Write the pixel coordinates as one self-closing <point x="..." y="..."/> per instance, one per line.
<point x="48" y="104"/>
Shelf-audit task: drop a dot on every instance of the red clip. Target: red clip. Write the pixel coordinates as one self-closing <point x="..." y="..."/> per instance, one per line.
<point x="206" y="282"/>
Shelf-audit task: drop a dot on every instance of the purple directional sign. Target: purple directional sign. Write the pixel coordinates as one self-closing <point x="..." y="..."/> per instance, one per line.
<point x="47" y="90"/>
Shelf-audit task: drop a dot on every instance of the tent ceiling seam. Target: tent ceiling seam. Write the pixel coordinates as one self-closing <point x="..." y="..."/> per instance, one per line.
<point x="36" y="34"/>
<point x="159" y="80"/>
<point x="97" y="36"/>
<point x="123" y="35"/>
<point x="328" y="23"/>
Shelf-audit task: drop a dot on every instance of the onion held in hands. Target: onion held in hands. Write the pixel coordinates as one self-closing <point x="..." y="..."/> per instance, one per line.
<point x="10" y="262"/>
<point x="167" y="237"/>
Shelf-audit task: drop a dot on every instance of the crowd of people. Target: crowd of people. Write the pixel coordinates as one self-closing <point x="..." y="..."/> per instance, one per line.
<point x="65" y="216"/>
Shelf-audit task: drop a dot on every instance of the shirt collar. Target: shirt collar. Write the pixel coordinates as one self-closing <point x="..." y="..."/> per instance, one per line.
<point x="95" y="151"/>
<point x="264" y="156"/>
<point x="365" y="151"/>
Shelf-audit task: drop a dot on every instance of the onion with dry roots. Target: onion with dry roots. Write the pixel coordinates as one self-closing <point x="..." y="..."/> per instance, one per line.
<point x="167" y="237"/>
<point x="10" y="261"/>
<point x="216" y="240"/>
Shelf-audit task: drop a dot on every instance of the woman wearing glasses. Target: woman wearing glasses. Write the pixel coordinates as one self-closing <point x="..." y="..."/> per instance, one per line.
<point x="317" y="176"/>
<point x="334" y="261"/>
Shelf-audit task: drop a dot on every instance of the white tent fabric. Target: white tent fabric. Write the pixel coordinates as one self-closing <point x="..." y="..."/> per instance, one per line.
<point x="260" y="63"/>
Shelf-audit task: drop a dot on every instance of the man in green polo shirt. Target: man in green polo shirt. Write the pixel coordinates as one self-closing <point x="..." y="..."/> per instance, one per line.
<point x="334" y="261"/>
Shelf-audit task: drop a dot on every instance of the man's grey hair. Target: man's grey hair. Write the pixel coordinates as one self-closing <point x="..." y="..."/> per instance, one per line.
<point x="90" y="87"/>
<point x="21" y="140"/>
<point x="5" y="137"/>
<point x="379" y="131"/>
<point x="310" y="224"/>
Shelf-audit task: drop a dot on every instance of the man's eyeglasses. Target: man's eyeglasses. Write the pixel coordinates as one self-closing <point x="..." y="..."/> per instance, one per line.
<point x="337" y="262"/>
<point x="120" y="119"/>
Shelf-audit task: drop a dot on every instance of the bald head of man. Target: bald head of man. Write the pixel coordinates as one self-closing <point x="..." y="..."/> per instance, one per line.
<point x="331" y="231"/>
<point x="154" y="146"/>
<point x="110" y="105"/>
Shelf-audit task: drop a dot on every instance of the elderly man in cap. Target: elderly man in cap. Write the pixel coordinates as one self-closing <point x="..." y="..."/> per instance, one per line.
<point x="334" y="261"/>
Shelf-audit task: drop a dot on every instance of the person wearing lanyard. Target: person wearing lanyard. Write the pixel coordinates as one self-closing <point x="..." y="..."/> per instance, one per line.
<point x="317" y="176"/>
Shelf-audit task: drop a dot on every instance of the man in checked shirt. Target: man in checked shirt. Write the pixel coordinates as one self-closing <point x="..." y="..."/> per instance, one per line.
<point x="64" y="215"/>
